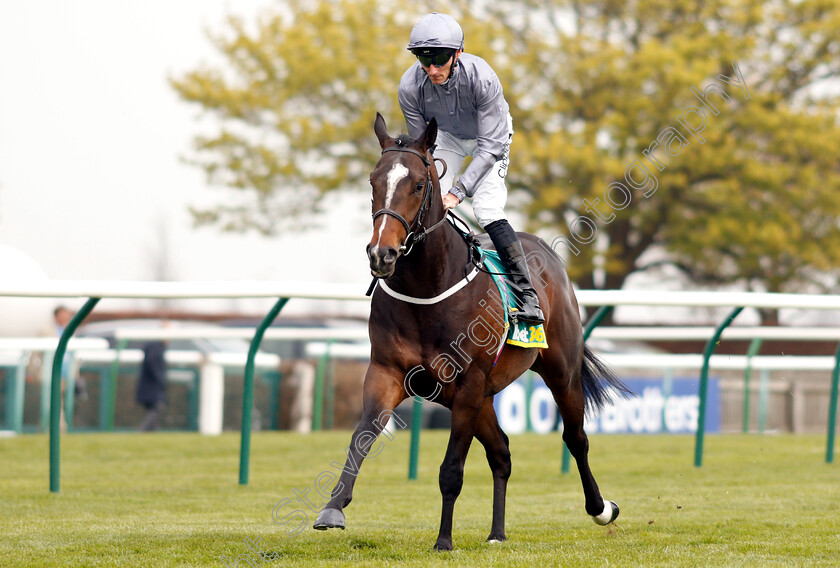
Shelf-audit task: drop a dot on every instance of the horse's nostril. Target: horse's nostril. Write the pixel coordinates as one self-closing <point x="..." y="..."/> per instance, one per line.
<point x="390" y="255"/>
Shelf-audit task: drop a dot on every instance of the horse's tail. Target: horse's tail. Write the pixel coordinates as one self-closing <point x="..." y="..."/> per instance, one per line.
<point x="599" y="382"/>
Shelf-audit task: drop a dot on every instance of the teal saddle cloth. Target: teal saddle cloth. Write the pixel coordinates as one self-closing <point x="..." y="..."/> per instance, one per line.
<point x="518" y="333"/>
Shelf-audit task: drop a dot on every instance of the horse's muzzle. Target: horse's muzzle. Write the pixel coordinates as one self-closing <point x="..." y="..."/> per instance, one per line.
<point x="382" y="260"/>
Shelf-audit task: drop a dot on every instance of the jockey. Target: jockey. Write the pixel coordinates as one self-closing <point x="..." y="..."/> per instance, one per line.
<point x="464" y="94"/>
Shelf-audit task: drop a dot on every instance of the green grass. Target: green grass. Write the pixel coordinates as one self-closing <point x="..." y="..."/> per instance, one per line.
<point x="173" y="500"/>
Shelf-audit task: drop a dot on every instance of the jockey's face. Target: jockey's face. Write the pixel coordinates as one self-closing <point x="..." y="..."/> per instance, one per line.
<point x="439" y="75"/>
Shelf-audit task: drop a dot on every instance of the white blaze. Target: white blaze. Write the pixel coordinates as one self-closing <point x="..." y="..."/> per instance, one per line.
<point x="395" y="176"/>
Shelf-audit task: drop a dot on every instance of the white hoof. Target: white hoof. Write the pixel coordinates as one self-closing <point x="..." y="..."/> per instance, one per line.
<point x="609" y="514"/>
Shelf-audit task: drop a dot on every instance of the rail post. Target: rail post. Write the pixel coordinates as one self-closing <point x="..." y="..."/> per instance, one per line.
<point x="832" y="408"/>
<point x="704" y="384"/>
<point x="248" y="390"/>
<point x="55" y="393"/>
<point x="416" y="426"/>
<point x="110" y="403"/>
<point x="274" y="378"/>
<point x="529" y="391"/>
<point x="755" y="345"/>
<point x="15" y="391"/>
<point x="763" y="399"/>
<point x="104" y="394"/>
<point x="318" y="394"/>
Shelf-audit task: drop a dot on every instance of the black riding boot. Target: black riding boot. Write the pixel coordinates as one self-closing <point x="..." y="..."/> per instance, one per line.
<point x="513" y="257"/>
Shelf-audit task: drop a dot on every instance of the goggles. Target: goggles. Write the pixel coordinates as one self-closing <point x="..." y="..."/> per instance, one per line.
<point x="437" y="58"/>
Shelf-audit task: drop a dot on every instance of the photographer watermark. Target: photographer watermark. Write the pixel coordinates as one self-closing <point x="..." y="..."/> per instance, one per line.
<point x="295" y="510"/>
<point x="671" y="141"/>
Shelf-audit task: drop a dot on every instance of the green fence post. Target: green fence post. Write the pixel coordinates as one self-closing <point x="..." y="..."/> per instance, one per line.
<point x="14" y="403"/>
<point x="55" y="393"/>
<point x="329" y="398"/>
<point x="104" y="394"/>
<point x="8" y="373"/>
<point x="46" y="381"/>
<point x="113" y="379"/>
<point x="193" y="400"/>
<point x="667" y="390"/>
<point x="69" y="397"/>
<point x="529" y="391"/>
<point x="416" y="427"/>
<point x="273" y="378"/>
<point x="704" y="385"/>
<point x="318" y="392"/>
<point x="755" y="345"/>
<point x="763" y="399"/>
<point x="591" y="324"/>
<point x="832" y="408"/>
<point x="248" y="390"/>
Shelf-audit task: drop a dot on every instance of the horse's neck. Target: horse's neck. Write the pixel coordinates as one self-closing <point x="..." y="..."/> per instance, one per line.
<point x="433" y="266"/>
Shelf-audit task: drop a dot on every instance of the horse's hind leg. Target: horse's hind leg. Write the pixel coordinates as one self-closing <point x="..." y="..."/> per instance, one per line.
<point x="497" y="448"/>
<point x="568" y="394"/>
<point x="383" y="391"/>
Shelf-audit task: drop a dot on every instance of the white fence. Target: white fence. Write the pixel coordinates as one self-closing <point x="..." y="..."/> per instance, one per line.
<point x="175" y="290"/>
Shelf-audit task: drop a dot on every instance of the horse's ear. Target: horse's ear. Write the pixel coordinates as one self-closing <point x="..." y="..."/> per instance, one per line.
<point x="381" y="130"/>
<point x="427" y="139"/>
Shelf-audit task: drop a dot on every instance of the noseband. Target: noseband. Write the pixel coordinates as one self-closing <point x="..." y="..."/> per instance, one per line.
<point x="414" y="232"/>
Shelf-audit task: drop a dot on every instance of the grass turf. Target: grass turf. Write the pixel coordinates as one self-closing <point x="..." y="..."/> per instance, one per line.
<point x="173" y="500"/>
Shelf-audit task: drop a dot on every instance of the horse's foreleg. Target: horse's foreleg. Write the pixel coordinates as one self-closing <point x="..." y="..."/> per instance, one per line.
<point x="496" y="446"/>
<point x="382" y="393"/>
<point x="465" y="410"/>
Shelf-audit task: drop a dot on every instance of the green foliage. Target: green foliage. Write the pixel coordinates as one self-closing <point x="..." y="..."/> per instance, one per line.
<point x="295" y="102"/>
<point x="756" y="203"/>
<point x="591" y="86"/>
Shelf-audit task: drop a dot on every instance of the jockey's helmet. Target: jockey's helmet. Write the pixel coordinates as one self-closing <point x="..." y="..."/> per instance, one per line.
<point x="436" y="30"/>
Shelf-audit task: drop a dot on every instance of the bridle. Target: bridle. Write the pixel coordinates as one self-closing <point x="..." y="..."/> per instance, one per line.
<point x="415" y="232"/>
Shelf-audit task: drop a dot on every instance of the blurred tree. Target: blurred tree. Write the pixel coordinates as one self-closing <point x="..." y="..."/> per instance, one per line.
<point x="592" y="85"/>
<point x="295" y="98"/>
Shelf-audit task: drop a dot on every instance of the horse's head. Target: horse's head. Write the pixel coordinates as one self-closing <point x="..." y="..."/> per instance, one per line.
<point x="405" y="185"/>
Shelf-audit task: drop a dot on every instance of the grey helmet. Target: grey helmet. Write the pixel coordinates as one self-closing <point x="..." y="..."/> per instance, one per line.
<point x="436" y="30"/>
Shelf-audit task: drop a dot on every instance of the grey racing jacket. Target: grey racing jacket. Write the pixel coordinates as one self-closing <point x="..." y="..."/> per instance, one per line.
<point x="470" y="106"/>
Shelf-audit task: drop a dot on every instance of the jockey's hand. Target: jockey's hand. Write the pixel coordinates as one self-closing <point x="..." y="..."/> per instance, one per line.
<point x="450" y="201"/>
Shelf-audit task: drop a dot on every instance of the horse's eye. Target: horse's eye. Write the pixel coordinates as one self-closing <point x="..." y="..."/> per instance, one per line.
<point x="419" y="187"/>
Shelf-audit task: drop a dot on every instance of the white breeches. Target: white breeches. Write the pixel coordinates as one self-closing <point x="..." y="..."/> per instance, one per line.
<point x="489" y="200"/>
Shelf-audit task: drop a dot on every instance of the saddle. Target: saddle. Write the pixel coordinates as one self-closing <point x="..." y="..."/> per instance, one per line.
<point x="483" y="251"/>
<point x="519" y="333"/>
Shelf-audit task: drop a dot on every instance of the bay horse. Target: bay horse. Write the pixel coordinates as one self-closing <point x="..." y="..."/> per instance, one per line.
<point x="436" y="333"/>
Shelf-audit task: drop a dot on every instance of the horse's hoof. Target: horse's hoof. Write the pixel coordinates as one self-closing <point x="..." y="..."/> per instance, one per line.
<point x="494" y="538"/>
<point x="609" y="515"/>
<point x="329" y="519"/>
<point x="441" y="546"/>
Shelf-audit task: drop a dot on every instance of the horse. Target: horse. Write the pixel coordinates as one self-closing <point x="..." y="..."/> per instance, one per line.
<point x="436" y="333"/>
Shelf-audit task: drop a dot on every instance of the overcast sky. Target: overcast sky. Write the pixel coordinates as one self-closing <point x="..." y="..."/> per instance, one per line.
<point x="91" y="136"/>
